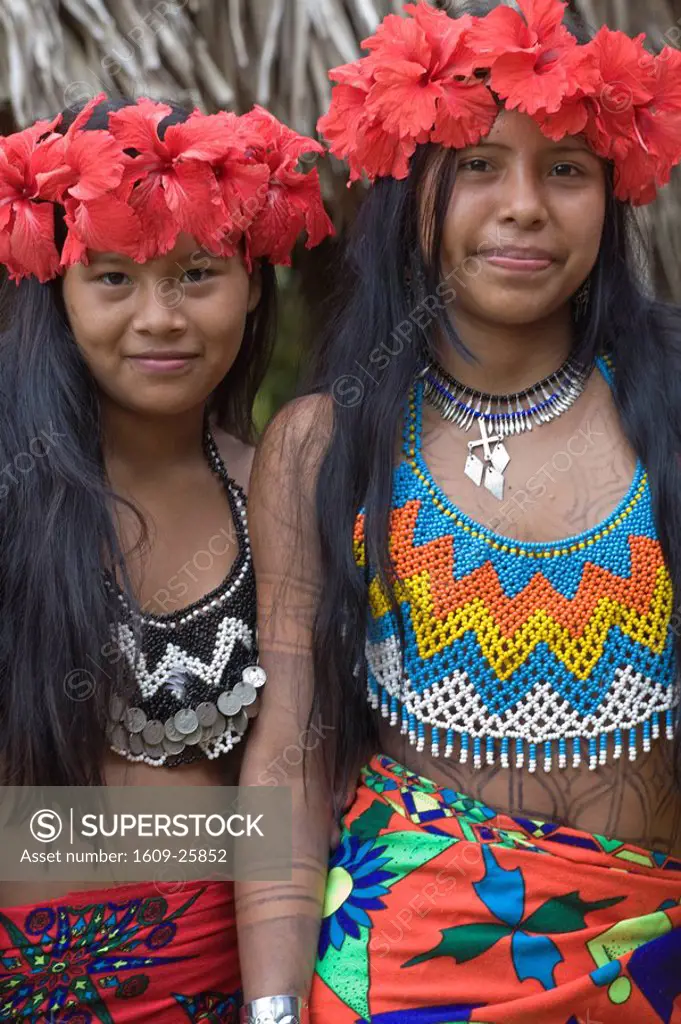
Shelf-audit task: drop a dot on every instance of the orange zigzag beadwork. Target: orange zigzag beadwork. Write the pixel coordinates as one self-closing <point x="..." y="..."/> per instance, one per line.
<point x="507" y="628"/>
<point x="513" y="647"/>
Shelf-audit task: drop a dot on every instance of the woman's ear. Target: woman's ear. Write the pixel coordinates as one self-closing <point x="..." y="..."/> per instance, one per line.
<point x="254" y="287"/>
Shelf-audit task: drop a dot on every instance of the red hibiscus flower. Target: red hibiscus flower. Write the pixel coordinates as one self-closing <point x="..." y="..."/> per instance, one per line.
<point x="535" y="62"/>
<point x="273" y="142"/>
<point x="504" y="31"/>
<point x="174" y="186"/>
<point x="89" y="164"/>
<point x="418" y="64"/>
<point x="572" y="116"/>
<point x="621" y="90"/>
<point x="636" y="117"/>
<point x="403" y="94"/>
<point x="637" y="179"/>
<point x="413" y="87"/>
<point x="26" y="218"/>
<point x="466" y="113"/>
<point x="571" y="119"/>
<point x="382" y="154"/>
<point x="242" y="178"/>
<point x="91" y="184"/>
<point x="106" y="224"/>
<point x="658" y="122"/>
<point x="293" y="199"/>
<point x="346" y="121"/>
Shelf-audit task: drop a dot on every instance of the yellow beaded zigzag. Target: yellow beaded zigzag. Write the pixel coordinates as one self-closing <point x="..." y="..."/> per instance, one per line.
<point x="508" y="629"/>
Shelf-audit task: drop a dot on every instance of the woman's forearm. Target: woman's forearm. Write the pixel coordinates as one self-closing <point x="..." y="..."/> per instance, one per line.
<point x="278" y="922"/>
<point x="278" y="932"/>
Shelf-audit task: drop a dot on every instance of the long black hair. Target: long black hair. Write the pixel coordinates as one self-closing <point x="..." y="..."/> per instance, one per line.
<point x="368" y="360"/>
<point x="57" y="665"/>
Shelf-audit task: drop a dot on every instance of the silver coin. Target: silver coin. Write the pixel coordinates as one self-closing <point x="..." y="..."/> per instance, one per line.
<point x="172" y="732"/>
<point x="136" y="744"/>
<point x="218" y="727"/>
<point x="255" y="675"/>
<point x="134" y="720"/>
<point x="194" y="737"/>
<point x="154" y="750"/>
<point x="119" y="737"/>
<point x="186" y="721"/>
<point x="237" y="689"/>
<point x="206" y="733"/>
<point x="153" y="732"/>
<point x="116" y="707"/>
<point x="229" y="704"/>
<point x="240" y="723"/>
<point x="206" y="713"/>
<point x="172" y="746"/>
<point x="248" y="694"/>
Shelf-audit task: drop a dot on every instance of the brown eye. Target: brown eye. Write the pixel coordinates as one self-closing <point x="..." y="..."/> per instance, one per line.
<point x="566" y="171"/>
<point x="113" y="278"/>
<point x="198" y="275"/>
<point x="474" y="164"/>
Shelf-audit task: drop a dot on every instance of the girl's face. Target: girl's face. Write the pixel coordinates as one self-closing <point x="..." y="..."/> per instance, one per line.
<point x="158" y="337"/>
<point x="524" y="223"/>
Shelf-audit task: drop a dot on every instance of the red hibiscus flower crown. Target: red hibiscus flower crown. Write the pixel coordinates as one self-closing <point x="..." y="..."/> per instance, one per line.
<point x="229" y="181"/>
<point x="432" y="78"/>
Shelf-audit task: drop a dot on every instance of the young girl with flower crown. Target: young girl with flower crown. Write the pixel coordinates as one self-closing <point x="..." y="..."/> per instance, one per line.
<point x="468" y="548"/>
<point x="140" y="242"/>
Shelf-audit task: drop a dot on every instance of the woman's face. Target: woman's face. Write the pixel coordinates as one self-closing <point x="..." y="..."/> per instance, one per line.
<point x="524" y="223"/>
<point x="158" y="337"/>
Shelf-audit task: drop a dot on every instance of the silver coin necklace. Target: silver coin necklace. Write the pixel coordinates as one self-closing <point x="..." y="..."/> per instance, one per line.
<point x="501" y="416"/>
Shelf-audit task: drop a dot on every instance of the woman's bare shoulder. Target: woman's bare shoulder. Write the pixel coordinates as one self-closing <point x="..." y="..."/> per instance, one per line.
<point x="297" y="435"/>
<point x="299" y="432"/>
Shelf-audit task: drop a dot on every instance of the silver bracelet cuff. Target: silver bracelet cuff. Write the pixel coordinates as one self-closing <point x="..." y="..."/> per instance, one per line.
<point x="275" y="1010"/>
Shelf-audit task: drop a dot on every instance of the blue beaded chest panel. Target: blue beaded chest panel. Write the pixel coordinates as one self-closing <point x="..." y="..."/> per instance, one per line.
<point x="526" y="653"/>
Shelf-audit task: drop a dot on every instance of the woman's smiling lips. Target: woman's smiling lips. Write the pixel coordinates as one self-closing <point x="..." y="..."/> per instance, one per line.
<point x="167" y="361"/>
<point x="518" y="258"/>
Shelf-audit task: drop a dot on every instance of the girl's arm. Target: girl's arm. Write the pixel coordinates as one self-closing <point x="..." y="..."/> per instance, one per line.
<point x="278" y="922"/>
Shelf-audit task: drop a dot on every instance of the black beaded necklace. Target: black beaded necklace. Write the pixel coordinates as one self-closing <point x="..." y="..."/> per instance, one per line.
<point x="195" y="670"/>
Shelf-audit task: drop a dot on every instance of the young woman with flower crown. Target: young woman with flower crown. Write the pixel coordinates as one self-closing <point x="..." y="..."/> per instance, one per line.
<point x="140" y="241"/>
<point x="474" y="526"/>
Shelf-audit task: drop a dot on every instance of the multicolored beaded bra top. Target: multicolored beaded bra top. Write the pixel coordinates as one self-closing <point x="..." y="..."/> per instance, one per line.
<point x="521" y="653"/>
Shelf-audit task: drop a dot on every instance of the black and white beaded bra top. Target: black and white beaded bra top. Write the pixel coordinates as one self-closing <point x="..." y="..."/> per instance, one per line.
<point x="196" y="674"/>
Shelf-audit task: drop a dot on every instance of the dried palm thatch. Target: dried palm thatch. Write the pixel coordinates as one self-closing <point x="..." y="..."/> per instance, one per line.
<point x="232" y="53"/>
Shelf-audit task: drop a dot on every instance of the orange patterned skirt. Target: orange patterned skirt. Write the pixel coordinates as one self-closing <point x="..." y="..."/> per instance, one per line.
<point x="438" y="909"/>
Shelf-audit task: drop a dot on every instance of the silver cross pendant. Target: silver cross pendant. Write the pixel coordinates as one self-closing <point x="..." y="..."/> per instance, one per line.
<point x="492" y="465"/>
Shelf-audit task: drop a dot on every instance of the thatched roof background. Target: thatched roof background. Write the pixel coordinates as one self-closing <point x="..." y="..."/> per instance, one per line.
<point x="232" y="53"/>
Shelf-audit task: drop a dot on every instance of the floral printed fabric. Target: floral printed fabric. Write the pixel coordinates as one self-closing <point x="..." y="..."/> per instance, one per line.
<point x="123" y="956"/>
<point x="438" y="909"/>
